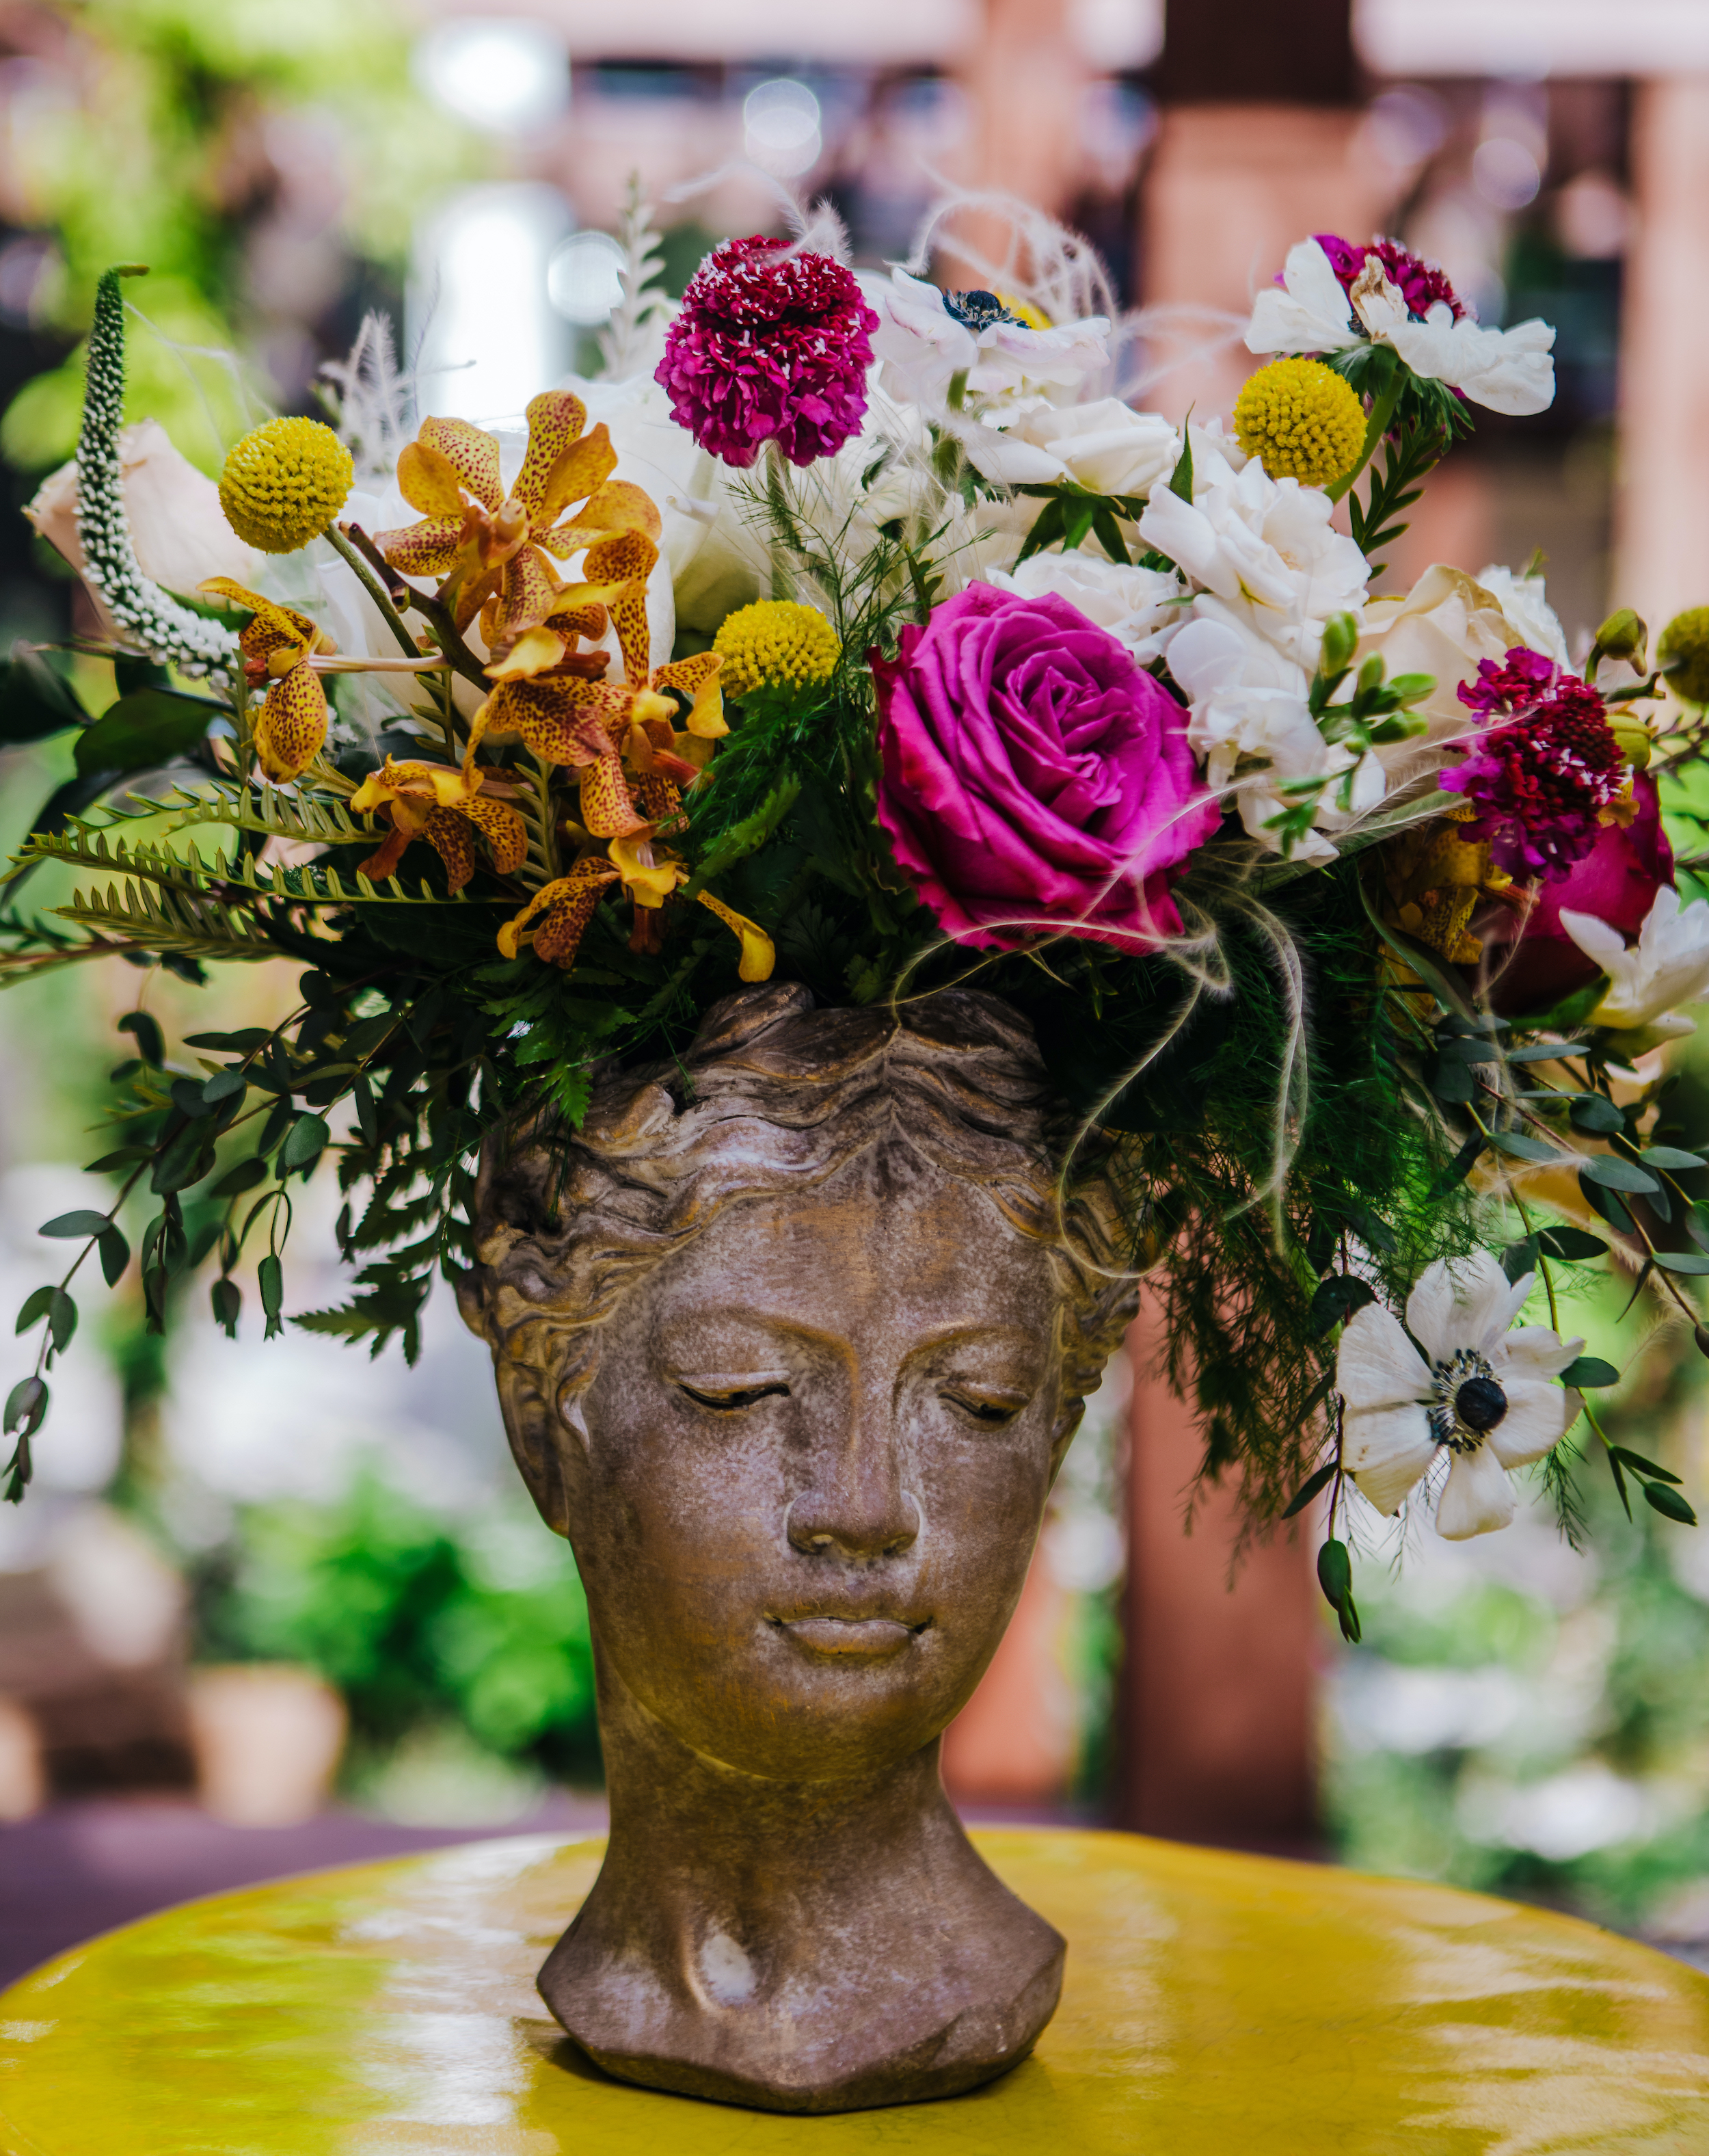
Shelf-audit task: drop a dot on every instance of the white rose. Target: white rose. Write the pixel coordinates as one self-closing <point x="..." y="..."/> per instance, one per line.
<point x="1265" y="547"/>
<point x="1252" y="725"/>
<point x="177" y="527"/>
<point x="1105" y="447"/>
<point x="1138" y="607"/>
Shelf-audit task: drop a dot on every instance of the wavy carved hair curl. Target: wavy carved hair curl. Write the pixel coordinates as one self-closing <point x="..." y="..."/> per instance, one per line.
<point x="779" y="1097"/>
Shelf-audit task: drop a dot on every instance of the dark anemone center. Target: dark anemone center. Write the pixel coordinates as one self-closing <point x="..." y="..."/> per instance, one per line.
<point x="979" y="309"/>
<point x="1479" y="1404"/>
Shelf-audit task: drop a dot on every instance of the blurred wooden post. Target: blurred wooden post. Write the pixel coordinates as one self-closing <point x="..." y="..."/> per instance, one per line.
<point x="1216" y="1712"/>
<point x="1662" y="532"/>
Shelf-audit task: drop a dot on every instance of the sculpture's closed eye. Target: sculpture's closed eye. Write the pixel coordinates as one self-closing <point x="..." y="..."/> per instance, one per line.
<point x="727" y="1397"/>
<point x="990" y="1408"/>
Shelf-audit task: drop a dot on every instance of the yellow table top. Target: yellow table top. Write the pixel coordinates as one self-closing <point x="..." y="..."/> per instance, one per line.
<point x="1215" y="2005"/>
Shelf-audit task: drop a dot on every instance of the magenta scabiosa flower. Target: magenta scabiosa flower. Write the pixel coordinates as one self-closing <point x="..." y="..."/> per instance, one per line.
<point x="1543" y="769"/>
<point x="1421" y="282"/>
<point x="770" y="345"/>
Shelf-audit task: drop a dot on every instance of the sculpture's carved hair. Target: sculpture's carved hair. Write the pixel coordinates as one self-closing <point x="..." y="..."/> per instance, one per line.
<point x="779" y="1097"/>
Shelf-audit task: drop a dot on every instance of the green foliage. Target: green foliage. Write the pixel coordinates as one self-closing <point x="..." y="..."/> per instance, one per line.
<point x="415" y="1617"/>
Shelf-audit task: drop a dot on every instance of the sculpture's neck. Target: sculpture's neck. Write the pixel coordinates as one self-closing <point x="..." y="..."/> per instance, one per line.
<point x="742" y="1879"/>
<point x="807" y="1945"/>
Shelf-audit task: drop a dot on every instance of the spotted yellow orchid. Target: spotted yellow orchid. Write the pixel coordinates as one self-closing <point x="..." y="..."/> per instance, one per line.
<point x="632" y="761"/>
<point x="444" y="806"/>
<point x="568" y="903"/>
<point x="490" y="547"/>
<point x="277" y="643"/>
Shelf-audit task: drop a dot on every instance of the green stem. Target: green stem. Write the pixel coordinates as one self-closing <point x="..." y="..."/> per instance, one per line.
<point x="1381" y="417"/>
<point x="375" y="591"/>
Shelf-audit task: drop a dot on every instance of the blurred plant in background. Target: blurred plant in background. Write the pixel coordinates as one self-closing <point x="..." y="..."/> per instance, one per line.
<point x="459" y="1644"/>
<point x="267" y="161"/>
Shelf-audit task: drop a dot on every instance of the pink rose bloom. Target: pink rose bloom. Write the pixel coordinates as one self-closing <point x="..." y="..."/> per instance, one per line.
<point x="1034" y="780"/>
<point x="1538" y="965"/>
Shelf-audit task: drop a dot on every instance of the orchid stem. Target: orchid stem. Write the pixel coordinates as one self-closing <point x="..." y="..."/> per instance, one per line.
<point x="375" y="591"/>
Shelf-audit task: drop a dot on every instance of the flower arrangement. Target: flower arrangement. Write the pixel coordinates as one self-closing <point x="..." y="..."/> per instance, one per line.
<point x="858" y="632"/>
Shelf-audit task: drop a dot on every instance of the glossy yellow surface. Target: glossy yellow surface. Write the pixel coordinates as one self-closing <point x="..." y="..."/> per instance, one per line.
<point x="1215" y="2005"/>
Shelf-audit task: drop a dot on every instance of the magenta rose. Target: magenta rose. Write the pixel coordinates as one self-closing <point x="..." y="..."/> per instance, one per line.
<point x="1536" y="964"/>
<point x="1034" y="780"/>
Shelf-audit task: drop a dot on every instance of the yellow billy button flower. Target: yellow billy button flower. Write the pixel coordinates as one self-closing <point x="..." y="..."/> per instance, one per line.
<point x="1302" y="420"/>
<point x="284" y="484"/>
<point x="777" y="644"/>
<point x="277" y="643"/>
<point x="440" y="804"/>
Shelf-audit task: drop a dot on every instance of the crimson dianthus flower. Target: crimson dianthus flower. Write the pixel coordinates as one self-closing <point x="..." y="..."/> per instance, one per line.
<point x="769" y="345"/>
<point x="1545" y="769"/>
<point x="1421" y="282"/>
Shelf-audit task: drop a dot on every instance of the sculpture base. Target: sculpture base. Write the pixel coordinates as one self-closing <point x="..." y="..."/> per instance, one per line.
<point x="1212" y="2002"/>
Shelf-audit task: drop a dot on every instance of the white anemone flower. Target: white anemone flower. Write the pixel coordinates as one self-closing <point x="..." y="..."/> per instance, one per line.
<point x="1667" y="966"/>
<point x="1265" y="547"/>
<point x="1507" y="371"/>
<point x="1484" y="1392"/>
<point x="927" y="338"/>
<point x="1250" y="724"/>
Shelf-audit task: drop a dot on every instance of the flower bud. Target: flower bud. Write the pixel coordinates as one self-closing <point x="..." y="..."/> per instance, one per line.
<point x="1636" y="739"/>
<point x="1341" y="637"/>
<point x="1683" y="656"/>
<point x="1622" y="635"/>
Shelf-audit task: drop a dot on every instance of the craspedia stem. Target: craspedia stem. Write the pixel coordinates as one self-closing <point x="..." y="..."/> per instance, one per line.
<point x="172" y="634"/>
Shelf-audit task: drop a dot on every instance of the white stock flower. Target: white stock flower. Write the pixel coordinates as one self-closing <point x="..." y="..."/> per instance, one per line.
<point x="177" y="527"/>
<point x="1486" y="1393"/>
<point x="1265" y="547"/>
<point x="1667" y="966"/>
<point x="1507" y="371"/>
<point x="1105" y="447"/>
<point x="1252" y="726"/>
<point x="922" y="347"/>
<point x="1138" y="607"/>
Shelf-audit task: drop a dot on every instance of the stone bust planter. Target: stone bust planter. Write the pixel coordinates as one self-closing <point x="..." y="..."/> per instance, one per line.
<point x="790" y="1342"/>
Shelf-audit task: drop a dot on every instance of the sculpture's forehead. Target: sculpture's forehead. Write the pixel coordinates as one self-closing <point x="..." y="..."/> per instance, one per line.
<point x="883" y="1241"/>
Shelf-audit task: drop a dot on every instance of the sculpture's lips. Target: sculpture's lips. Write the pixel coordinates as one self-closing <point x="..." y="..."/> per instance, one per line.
<point x="823" y="1632"/>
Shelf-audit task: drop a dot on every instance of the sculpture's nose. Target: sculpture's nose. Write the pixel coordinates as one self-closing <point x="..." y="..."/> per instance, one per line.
<point x="855" y="1501"/>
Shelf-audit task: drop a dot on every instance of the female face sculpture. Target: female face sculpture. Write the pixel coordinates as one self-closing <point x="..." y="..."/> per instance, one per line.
<point x="793" y="1365"/>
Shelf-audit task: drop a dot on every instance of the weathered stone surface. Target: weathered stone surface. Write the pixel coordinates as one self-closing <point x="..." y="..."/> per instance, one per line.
<point x="791" y="1351"/>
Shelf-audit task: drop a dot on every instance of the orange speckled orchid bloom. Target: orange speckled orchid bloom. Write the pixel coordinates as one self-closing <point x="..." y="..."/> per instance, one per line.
<point x="622" y="738"/>
<point x="276" y="643"/>
<point x="489" y="547"/>
<point x="440" y="804"/>
<point x="568" y="904"/>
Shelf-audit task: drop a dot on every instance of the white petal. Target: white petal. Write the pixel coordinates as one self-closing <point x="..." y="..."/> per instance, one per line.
<point x="1309" y="313"/>
<point x="1386" y="1450"/>
<point x="1534" y="1351"/>
<point x="1376" y="1366"/>
<point x="1598" y="941"/>
<point x="1536" y="1419"/>
<point x="1453" y="1303"/>
<point x="1477" y="1497"/>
